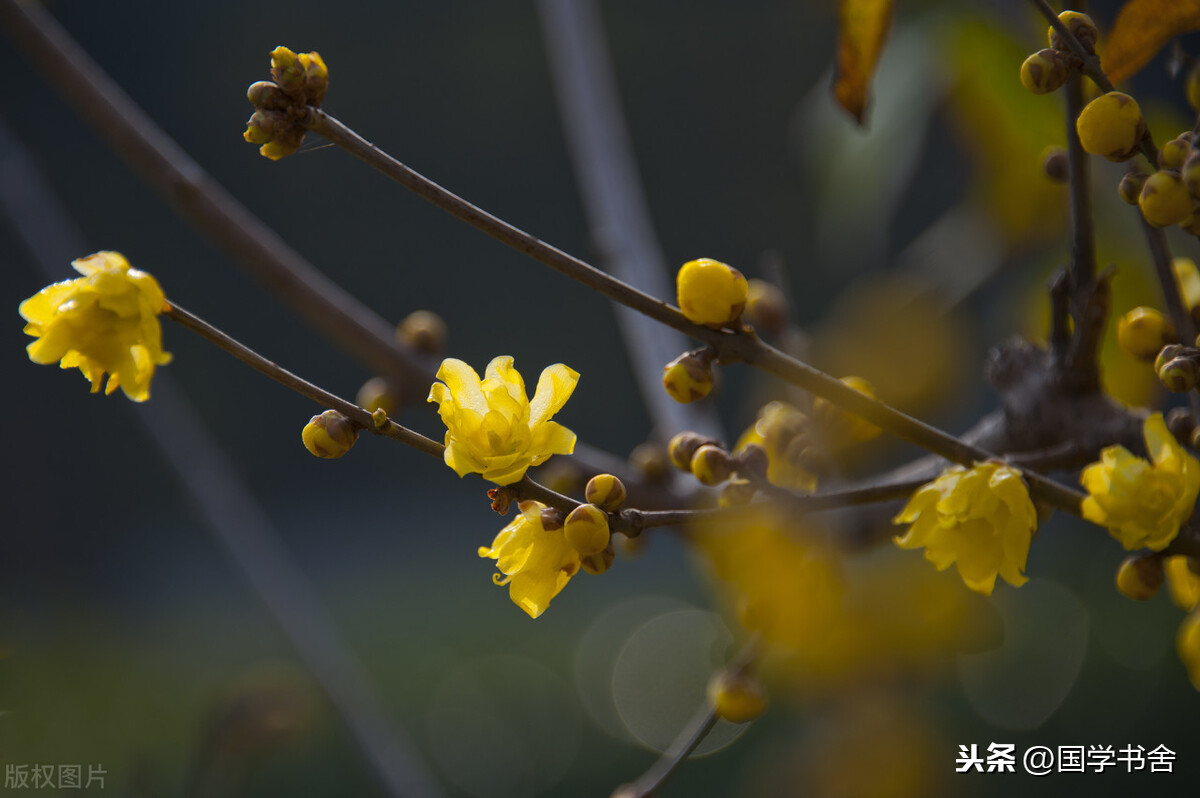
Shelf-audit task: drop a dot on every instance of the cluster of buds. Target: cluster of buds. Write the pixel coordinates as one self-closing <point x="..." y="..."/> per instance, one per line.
<point x="298" y="80"/>
<point x="739" y="473"/>
<point x="1047" y="69"/>
<point x="1178" y="367"/>
<point x="587" y="528"/>
<point x="1170" y="196"/>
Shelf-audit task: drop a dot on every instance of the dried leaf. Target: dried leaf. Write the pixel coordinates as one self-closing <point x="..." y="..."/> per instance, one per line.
<point x="1141" y="29"/>
<point x="862" y="29"/>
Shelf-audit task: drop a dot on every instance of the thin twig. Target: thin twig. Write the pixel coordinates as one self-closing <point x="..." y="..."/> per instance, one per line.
<point x="169" y="171"/>
<point x="692" y="734"/>
<point x="230" y="512"/>
<point x="741" y="346"/>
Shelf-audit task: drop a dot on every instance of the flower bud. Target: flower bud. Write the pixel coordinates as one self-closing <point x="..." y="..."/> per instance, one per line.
<point x="1187" y="278"/>
<point x="1130" y="187"/>
<point x="689" y="378"/>
<point x="329" y="435"/>
<point x="424" y="331"/>
<point x="711" y="292"/>
<point x="379" y="418"/>
<point x="1111" y="125"/>
<point x="1140" y="576"/>
<point x="1165" y="199"/>
<point x="738" y="698"/>
<point x="266" y="96"/>
<point x="1081" y="27"/>
<point x="1191" y="173"/>
<point x="287" y="71"/>
<point x="1182" y="424"/>
<point x="1169" y="352"/>
<point x="650" y="461"/>
<point x="1179" y="375"/>
<point x="586" y="529"/>
<point x="285" y="142"/>
<point x="1056" y="164"/>
<point x="1044" y="71"/>
<point x="766" y="307"/>
<point x="316" y="77"/>
<point x="377" y="394"/>
<point x="683" y="446"/>
<point x="1173" y="154"/>
<point x="711" y="465"/>
<point x="606" y="492"/>
<point x="599" y="562"/>
<point x="263" y="126"/>
<point x="1143" y="332"/>
<point x="551" y="517"/>
<point x="752" y="461"/>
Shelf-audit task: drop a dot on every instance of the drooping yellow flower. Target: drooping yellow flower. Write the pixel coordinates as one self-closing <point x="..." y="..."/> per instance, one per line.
<point x="1143" y="503"/>
<point x="103" y="322"/>
<point x="491" y="426"/>
<point x="979" y="518"/>
<point x="536" y="563"/>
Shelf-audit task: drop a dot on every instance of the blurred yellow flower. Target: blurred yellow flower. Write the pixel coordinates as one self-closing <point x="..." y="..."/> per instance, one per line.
<point x="536" y="562"/>
<point x="979" y="518"/>
<point x="781" y="430"/>
<point x="1143" y="503"/>
<point x="103" y="322"/>
<point x="491" y="426"/>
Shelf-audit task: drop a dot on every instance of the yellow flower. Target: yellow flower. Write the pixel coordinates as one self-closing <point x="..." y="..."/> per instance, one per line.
<point x="536" y="562"/>
<point x="780" y="429"/>
<point x="979" y="518"/>
<point x="492" y="428"/>
<point x="1143" y="504"/>
<point x="105" y="321"/>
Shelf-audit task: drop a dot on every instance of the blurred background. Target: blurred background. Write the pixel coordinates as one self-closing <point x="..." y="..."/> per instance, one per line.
<point x="132" y="642"/>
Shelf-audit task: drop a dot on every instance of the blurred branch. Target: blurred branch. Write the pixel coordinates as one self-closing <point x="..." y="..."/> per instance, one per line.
<point x="618" y="218"/>
<point x="229" y="512"/>
<point x="170" y="172"/>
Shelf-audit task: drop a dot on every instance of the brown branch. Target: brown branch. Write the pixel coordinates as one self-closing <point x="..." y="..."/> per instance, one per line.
<point x="741" y="346"/>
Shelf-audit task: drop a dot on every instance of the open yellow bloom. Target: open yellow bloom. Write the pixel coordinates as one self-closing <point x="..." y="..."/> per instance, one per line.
<point x="105" y="321"/>
<point x="979" y="518"/>
<point x="536" y="563"/>
<point x="491" y="426"/>
<point x="1143" y="503"/>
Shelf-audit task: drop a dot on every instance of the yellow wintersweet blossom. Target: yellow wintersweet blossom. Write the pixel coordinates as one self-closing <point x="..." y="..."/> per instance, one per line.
<point x="1143" y="503"/>
<point x="979" y="518"/>
<point x="103" y="322"/>
<point x="536" y="563"/>
<point x="827" y="624"/>
<point x="491" y="426"/>
<point x="779" y="428"/>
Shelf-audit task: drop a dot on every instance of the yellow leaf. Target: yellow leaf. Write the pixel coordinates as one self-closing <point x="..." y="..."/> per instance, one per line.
<point x="862" y="29"/>
<point x="1141" y="29"/>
